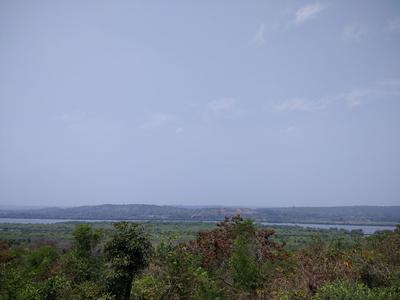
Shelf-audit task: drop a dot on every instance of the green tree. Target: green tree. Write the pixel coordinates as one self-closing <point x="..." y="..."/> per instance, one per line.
<point x="245" y="271"/>
<point x="82" y="264"/>
<point x="42" y="260"/>
<point x="86" y="239"/>
<point x="128" y="253"/>
<point x="345" y="290"/>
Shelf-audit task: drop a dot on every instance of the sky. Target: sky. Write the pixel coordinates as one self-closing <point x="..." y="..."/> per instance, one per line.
<point x="249" y="103"/>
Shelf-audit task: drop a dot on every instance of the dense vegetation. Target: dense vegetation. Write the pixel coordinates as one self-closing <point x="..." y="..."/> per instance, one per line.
<point x="234" y="259"/>
<point x="348" y="214"/>
<point x="61" y="234"/>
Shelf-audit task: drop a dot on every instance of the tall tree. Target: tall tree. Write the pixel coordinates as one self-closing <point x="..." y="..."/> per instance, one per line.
<point x="128" y="253"/>
<point x="86" y="239"/>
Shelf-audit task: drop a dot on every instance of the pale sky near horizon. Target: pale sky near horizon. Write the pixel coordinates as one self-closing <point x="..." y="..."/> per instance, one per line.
<point x="251" y="103"/>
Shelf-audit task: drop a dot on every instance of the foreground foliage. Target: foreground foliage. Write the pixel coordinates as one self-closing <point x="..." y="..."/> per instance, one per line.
<point x="234" y="260"/>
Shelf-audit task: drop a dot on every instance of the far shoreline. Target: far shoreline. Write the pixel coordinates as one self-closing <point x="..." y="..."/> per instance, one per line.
<point x="259" y="221"/>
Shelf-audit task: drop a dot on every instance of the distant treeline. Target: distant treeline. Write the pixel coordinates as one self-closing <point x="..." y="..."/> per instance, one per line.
<point x="345" y="214"/>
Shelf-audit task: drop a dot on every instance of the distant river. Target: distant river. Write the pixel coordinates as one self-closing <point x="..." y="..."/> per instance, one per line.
<point x="40" y="221"/>
<point x="52" y="221"/>
<point x="366" y="229"/>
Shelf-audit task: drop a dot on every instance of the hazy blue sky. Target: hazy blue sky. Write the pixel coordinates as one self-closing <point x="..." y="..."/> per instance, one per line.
<point x="262" y="103"/>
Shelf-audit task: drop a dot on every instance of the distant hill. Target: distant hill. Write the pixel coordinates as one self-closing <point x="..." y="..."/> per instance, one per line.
<point x="345" y="214"/>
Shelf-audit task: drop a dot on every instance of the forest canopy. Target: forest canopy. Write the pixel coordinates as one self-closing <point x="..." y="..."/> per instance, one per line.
<point x="236" y="259"/>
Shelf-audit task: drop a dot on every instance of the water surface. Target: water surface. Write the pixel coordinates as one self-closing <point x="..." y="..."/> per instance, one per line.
<point x="366" y="229"/>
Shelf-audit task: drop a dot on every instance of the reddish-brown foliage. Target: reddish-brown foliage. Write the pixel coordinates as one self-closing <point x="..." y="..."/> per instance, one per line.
<point x="215" y="246"/>
<point x="5" y="254"/>
<point x="315" y="266"/>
